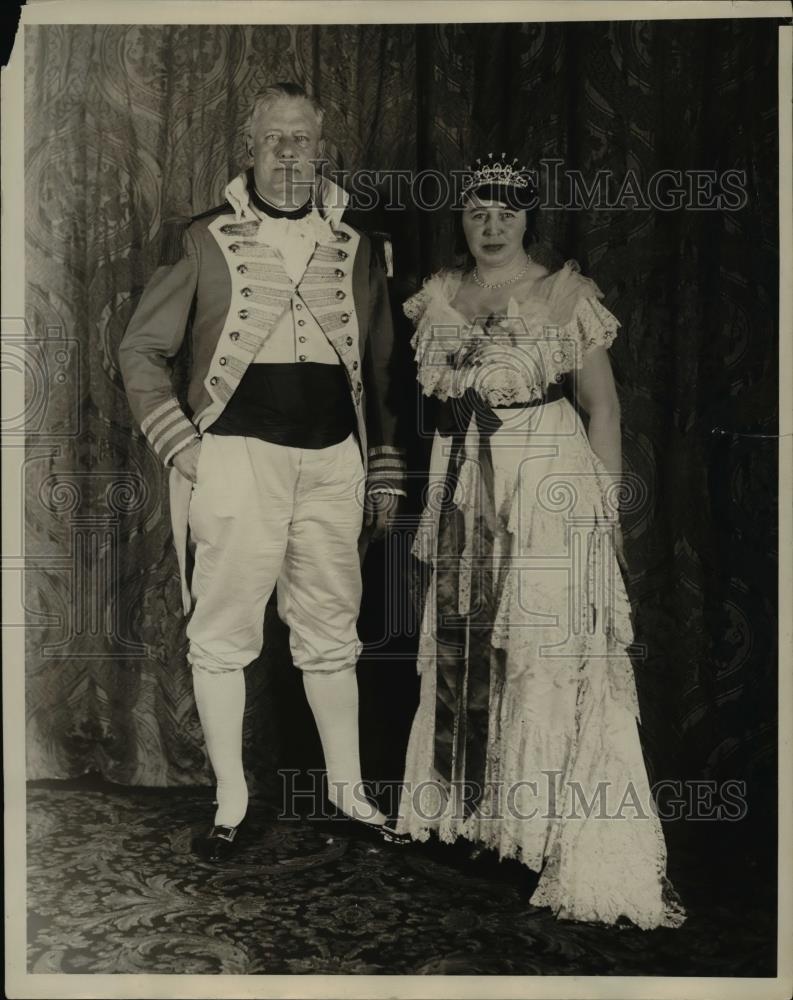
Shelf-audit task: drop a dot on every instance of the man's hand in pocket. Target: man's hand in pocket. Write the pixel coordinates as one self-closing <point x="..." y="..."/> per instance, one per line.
<point x="186" y="461"/>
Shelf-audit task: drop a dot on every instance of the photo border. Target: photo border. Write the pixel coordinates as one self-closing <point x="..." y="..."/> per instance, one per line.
<point x="20" y="983"/>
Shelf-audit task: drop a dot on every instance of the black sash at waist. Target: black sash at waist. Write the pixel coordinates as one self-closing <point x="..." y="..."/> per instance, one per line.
<point x="456" y="413"/>
<point x="300" y="405"/>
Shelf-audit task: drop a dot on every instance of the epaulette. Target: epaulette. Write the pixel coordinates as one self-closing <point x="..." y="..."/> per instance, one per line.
<point x="379" y="239"/>
<point x="383" y="251"/>
<point x="373" y="222"/>
<point x="223" y="209"/>
<point x="171" y="240"/>
<point x="171" y="245"/>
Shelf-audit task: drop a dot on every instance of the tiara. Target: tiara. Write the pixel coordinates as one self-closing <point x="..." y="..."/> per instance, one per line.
<point x="495" y="172"/>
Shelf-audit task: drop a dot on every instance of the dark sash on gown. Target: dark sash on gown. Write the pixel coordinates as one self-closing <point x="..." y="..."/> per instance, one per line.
<point x="464" y="653"/>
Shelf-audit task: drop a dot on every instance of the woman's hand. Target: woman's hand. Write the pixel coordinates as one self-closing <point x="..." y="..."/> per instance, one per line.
<point x="619" y="547"/>
<point x="380" y="512"/>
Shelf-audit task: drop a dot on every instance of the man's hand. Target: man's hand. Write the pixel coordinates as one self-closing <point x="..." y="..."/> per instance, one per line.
<point x="379" y="513"/>
<point x="186" y="460"/>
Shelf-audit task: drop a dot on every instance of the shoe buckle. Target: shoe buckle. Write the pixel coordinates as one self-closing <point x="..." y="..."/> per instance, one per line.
<point x="227" y="833"/>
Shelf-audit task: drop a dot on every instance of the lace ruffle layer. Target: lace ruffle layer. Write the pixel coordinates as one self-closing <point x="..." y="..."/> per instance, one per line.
<point x="511" y="359"/>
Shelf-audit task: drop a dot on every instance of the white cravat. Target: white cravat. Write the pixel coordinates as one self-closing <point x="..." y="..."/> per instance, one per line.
<point x="294" y="239"/>
<point x="295" y="245"/>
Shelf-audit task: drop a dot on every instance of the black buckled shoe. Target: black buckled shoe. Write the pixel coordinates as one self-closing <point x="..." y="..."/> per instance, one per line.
<point x="390" y="836"/>
<point x="344" y="825"/>
<point x="220" y="844"/>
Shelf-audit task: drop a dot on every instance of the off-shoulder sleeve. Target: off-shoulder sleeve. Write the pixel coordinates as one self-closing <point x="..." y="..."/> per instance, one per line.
<point x="577" y="307"/>
<point x="596" y="326"/>
<point x="436" y="341"/>
<point x="415" y="306"/>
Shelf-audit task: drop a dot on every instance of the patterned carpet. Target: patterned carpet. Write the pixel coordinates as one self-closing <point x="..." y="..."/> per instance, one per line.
<point x="113" y="889"/>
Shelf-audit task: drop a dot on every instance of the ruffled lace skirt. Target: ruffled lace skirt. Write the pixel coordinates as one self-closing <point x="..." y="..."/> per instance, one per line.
<point x="565" y="787"/>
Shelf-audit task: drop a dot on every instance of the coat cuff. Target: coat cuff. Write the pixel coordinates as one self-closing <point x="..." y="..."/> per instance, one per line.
<point x="168" y="430"/>
<point x="387" y="470"/>
<point x="386" y="489"/>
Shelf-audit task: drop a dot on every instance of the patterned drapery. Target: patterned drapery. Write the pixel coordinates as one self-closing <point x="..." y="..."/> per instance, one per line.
<point x="128" y="126"/>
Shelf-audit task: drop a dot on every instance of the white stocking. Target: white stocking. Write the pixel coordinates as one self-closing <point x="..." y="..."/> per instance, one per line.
<point x="333" y="698"/>
<point x="220" y="698"/>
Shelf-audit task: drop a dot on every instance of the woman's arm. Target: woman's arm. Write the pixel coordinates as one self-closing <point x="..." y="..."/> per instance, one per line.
<point x="597" y="394"/>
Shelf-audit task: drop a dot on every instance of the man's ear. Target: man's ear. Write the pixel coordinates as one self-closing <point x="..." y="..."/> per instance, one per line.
<point x="249" y="144"/>
<point x="320" y="159"/>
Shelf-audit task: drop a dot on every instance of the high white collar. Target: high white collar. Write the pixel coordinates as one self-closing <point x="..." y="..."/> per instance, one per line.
<point x="330" y="199"/>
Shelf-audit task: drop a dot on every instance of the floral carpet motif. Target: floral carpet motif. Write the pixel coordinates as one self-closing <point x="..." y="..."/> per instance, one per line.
<point x="113" y="888"/>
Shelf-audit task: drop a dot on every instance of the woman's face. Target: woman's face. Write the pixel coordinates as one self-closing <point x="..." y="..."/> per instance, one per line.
<point x="494" y="231"/>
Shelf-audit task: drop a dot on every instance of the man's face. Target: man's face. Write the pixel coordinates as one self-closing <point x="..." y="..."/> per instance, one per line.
<point x="284" y="143"/>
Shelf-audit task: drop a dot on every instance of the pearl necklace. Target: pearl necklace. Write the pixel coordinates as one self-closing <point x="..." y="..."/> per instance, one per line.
<point x="500" y="284"/>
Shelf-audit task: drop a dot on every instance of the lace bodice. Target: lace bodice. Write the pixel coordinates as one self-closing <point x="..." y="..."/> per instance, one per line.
<point x="511" y="358"/>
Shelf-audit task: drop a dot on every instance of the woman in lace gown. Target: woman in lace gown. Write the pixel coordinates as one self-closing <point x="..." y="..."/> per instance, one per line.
<point x="525" y="739"/>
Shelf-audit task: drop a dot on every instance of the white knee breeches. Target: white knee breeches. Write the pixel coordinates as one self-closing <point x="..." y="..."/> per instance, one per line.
<point x="263" y="514"/>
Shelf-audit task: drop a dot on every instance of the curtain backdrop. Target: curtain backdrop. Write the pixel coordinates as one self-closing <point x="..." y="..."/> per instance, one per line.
<point x="129" y="126"/>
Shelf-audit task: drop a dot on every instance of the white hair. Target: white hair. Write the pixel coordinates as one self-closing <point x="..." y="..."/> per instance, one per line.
<point x="277" y="92"/>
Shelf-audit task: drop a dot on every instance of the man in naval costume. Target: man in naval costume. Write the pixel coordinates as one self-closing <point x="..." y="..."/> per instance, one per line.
<point x="287" y="448"/>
